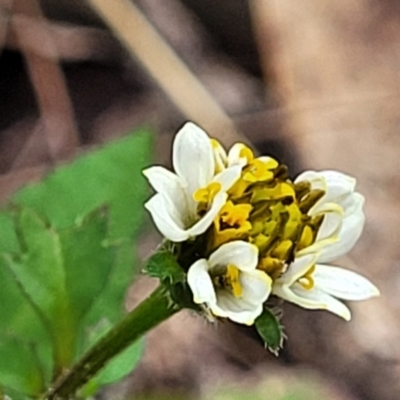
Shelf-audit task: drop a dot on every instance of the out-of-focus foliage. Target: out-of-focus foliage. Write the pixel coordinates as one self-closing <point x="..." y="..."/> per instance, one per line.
<point x="277" y="388"/>
<point x="67" y="258"/>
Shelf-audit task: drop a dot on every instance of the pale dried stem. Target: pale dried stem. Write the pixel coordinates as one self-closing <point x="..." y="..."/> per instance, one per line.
<point x="166" y="68"/>
<point x="5" y="7"/>
<point x="47" y="79"/>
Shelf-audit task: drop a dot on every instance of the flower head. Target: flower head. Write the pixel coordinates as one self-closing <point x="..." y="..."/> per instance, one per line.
<point x="229" y="284"/>
<point x="248" y="230"/>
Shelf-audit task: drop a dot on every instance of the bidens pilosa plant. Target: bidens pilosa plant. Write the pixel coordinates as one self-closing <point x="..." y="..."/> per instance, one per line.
<point x="244" y="233"/>
<point x="240" y="237"/>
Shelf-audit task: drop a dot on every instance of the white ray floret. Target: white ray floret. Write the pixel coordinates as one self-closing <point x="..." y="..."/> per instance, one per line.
<point x="316" y="286"/>
<point x="173" y="207"/>
<point x="342" y="208"/>
<point x="229" y="284"/>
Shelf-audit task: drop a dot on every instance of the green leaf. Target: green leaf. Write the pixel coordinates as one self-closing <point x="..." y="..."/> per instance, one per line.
<point x="19" y="321"/>
<point x="109" y="176"/>
<point x="20" y="369"/>
<point x="41" y="273"/>
<point x="164" y="266"/>
<point x="62" y="273"/>
<point x="8" y="237"/>
<point x="87" y="260"/>
<point x="121" y="365"/>
<point x="95" y="284"/>
<point x="270" y="330"/>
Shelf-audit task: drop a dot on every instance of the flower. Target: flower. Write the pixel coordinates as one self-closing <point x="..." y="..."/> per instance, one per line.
<point x="341" y="208"/>
<point x="229" y="284"/>
<point x="266" y="233"/>
<point x="188" y="200"/>
<point x="315" y="286"/>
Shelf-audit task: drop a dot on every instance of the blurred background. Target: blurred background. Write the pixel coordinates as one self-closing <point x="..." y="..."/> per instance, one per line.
<point x="315" y="83"/>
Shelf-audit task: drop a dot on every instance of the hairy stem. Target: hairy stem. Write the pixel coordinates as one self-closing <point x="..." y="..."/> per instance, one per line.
<point x="153" y="310"/>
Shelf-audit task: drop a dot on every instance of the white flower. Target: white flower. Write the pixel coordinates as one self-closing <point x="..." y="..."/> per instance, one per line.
<point x="315" y="286"/>
<point x="229" y="284"/>
<point x="188" y="200"/>
<point x="342" y="208"/>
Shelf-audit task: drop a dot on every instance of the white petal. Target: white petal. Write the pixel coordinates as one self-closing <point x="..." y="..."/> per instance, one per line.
<point x="193" y="158"/>
<point x="312" y="300"/>
<point x="314" y="178"/>
<point x="236" y="309"/>
<point x="333" y="217"/>
<point x="200" y="283"/>
<point x="317" y="299"/>
<point x="344" y="284"/>
<point x="165" y="220"/>
<point x="298" y="268"/>
<point x="205" y="222"/>
<point x="352" y="203"/>
<point x="256" y="286"/>
<point x="169" y="185"/>
<point x="228" y="177"/>
<point x="337" y="185"/>
<point x="350" y="232"/>
<point x="239" y="253"/>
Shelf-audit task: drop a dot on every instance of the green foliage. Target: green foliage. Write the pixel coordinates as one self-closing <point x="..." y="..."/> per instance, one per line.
<point x="288" y="386"/>
<point x="66" y="260"/>
<point x="17" y="374"/>
<point x="270" y="330"/>
<point x="164" y="266"/>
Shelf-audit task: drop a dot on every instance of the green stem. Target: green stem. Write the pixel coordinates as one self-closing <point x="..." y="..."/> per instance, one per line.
<point x="153" y="310"/>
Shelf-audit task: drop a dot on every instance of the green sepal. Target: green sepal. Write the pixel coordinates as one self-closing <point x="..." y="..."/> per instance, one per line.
<point x="270" y="330"/>
<point x="164" y="266"/>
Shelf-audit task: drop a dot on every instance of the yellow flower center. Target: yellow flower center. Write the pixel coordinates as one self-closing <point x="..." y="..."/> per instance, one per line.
<point x="267" y="209"/>
<point x="206" y="195"/>
<point x="246" y="153"/>
<point x="258" y="171"/>
<point x="232" y="222"/>
<point x="235" y="215"/>
<point x="230" y="280"/>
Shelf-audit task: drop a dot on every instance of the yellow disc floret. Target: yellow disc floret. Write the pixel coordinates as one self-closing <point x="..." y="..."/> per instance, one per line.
<point x="307" y="281"/>
<point x="229" y="279"/>
<point x="206" y="195"/>
<point x="267" y="209"/>
<point x="232" y="222"/>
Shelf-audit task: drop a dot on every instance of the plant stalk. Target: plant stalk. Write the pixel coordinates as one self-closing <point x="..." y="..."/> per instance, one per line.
<point x="153" y="310"/>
